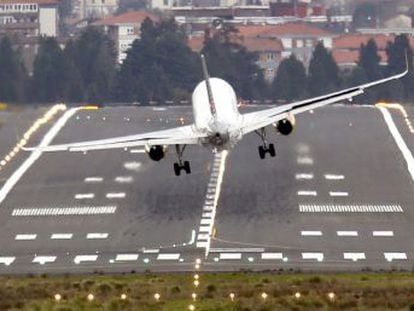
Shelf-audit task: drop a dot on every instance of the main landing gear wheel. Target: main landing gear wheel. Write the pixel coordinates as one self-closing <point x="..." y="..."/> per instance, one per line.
<point x="265" y="148"/>
<point x="180" y="165"/>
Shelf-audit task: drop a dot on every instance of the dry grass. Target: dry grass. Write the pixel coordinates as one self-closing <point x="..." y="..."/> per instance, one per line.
<point x="352" y="292"/>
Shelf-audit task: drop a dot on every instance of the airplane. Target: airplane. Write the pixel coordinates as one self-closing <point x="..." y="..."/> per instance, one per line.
<point x="218" y="124"/>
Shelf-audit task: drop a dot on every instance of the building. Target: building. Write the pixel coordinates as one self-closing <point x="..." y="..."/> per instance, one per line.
<point x="298" y="8"/>
<point x="29" y="18"/>
<point x="124" y="29"/>
<point x="297" y="38"/>
<point x="94" y="8"/>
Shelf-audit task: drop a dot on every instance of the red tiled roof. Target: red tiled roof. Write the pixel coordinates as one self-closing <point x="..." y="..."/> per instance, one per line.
<point x="343" y="57"/>
<point x="283" y="30"/>
<point x="354" y="41"/>
<point x="252" y="44"/>
<point x="40" y="2"/>
<point x="133" y="17"/>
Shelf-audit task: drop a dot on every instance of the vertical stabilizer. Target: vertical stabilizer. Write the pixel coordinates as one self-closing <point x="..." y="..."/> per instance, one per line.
<point x="207" y="79"/>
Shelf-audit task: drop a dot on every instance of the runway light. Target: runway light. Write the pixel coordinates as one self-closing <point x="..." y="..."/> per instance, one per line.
<point x="191" y="307"/>
<point x="297" y="295"/>
<point x="196" y="283"/>
<point x="264" y="295"/>
<point x="331" y="296"/>
<point x="197" y="266"/>
<point x="91" y="297"/>
<point x="198" y="261"/>
<point x="194" y="296"/>
<point x="196" y="276"/>
<point x="123" y="296"/>
<point x="232" y="296"/>
<point x="58" y="297"/>
<point x="157" y="296"/>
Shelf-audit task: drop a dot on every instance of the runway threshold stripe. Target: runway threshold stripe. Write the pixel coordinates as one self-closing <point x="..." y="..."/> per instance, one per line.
<point x="174" y="256"/>
<point x="357" y="208"/>
<point x="64" y="211"/>
<point x="399" y="141"/>
<point x="7" y="261"/>
<point x="85" y="258"/>
<point x="237" y="250"/>
<point x="61" y="236"/>
<point x="44" y="259"/>
<point x="272" y="256"/>
<point x="126" y="257"/>
<point x="395" y="256"/>
<point x="307" y="193"/>
<point x="35" y="154"/>
<point x="338" y="194"/>
<point x="25" y="237"/>
<point x="230" y="256"/>
<point x="315" y="256"/>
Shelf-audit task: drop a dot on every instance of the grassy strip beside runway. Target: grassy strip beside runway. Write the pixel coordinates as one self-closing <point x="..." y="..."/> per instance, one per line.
<point x="215" y="291"/>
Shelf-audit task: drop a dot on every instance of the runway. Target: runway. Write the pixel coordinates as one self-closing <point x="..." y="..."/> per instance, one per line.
<point x="338" y="196"/>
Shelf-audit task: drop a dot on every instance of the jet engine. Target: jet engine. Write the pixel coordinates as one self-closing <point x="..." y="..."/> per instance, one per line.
<point x="286" y="126"/>
<point x="157" y="152"/>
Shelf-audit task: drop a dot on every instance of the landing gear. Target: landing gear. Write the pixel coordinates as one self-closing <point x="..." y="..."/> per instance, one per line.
<point x="265" y="148"/>
<point x="180" y="165"/>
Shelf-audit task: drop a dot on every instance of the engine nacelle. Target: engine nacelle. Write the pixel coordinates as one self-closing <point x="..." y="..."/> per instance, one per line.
<point x="156" y="153"/>
<point x="286" y="126"/>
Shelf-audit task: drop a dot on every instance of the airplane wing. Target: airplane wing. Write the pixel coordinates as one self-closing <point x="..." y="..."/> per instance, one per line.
<point x="256" y="120"/>
<point x="184" y="135"/>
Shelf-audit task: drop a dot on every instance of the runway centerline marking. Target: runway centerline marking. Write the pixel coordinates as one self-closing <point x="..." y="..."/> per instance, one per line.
<point x="44" y="259"/>
<point x="273" y="256"/>
<point x="399" y="140"/>
<point x="230" y="256"/>
<point x="61" y="236"/>
<point x="354" y="256"/>
<point x="213" y="193"/>
<point x="97" y="236"/>
<point x="347" y="233"/>
<point x="174" y="256"/>
<point x="395" y="256"/>
<point x="306" y="176"/>
<point x="334" y="177"/>
<point x="305" y="160"/>
<point x="124" y="179"/>
<point x="338" y="193"/>
<point x="7" y="261"/>
<point x="126" y="257"/>
<point x="35" y="154"/>
<point x="115" y="195"/>
<point x="316" y="256"/>
<point x="85" y="258"/>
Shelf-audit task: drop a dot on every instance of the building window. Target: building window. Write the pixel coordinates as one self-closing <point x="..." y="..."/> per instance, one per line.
<point x="130" y="30"/>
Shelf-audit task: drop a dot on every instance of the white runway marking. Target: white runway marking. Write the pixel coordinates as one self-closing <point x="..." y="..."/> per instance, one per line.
<point x="354" y="256"/>
<point x="347" y="233"/>
<point x="334" y="177"/>
<point x="93" y="179"/>
<point x="126" y="257"/>
<point x="311" y="233"/>
<point x="61" y="236"/>
<point x="97" y="236"/>
<point x="237" y="250"/>
<point x="213" y="194"/>
<point x="399" y="141"/>
<point x="81" y="196"/>
<point x="35" y="155"/>
<point x="395" y="256"/>
<point x="307" y="193"/>
<point x="64" y="211"/>
<point x="25" y="237"/>
<point x="304" y="176"/>
<point x="305" y="160"/>
<point x="137" y="151"/>
<point x="338" y="193"/>
<point x="151" y="251"/>
<point x="383" y="233"/>
<point x="273" y="256"/>
<point x="85" y="258"/>
<point x="115" y="195"/>
<point x="316" y="256"/>
<point x="133" y="166"/>
<point x="168" y="256"/>
<point x="124" y="179"/>
<point x="231" y="256"/>
<point x="7" y="261"/>
<point x="44" y="259"/>
<point x="334" y="208"/>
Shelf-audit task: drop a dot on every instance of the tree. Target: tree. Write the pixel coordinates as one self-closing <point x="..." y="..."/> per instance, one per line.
<point x="49" y="80"/>
<point x="369" y="60"/>
<point x="93" y="55"/>
<point x="323" y="72"/>
<point x="12" y="73"/>
<point x="159" y="66"/>
<point x="290" y="79"/>
<point x="397" y="53"/>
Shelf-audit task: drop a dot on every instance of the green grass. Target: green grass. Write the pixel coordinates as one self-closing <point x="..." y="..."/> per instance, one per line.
<point x="382" y="291"/>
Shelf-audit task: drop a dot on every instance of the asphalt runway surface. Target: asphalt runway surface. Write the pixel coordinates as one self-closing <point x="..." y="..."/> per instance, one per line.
<point x="337" y="197"/>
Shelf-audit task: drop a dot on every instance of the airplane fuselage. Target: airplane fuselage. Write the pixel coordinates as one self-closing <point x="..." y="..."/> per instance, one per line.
<point x="220" y="122"/>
